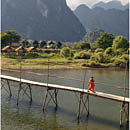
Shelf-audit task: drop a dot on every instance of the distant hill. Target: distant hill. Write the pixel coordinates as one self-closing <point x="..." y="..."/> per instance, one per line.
<point x="93" y="35"/>
<point x="42" y="20"/>
<point x="111" y="20"/>
<point x="111" y="5"/>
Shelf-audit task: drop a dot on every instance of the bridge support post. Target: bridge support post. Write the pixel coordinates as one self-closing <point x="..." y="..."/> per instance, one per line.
<point x="7" y="90"/>
<point x="54" y="99"/>
<point x="24" y="92"/>
<point x="84" y="105"/>
<point x="124" y="110"/>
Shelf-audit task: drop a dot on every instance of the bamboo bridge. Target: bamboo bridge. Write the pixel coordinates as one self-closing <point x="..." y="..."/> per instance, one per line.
<point x="53" y="96"/>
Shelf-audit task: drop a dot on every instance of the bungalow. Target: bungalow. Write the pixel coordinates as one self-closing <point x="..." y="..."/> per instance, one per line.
<point x="7" y="49"/>
<point x="20" y="50"/>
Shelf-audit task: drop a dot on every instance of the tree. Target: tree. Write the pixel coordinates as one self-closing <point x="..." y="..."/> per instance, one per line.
<point x="25" y="42"/>
<point x="59" y="45"/>
<point x="9" y="37"/>
<point x="43" y="44"/>
<point x="3" y="40"/>
<point x="104" y="41"/>
<point x="120" y="42"/>
<point x="84" y="45"/>
<point x="35" y="44"/>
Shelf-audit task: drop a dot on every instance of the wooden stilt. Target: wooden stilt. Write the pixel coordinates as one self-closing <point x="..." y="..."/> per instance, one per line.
<point x="56" y="98"/>
<point x="85" y="105"/>
<point x="127" y="118"/>
<point x="125" y="111"/>
<point x="2" y="86"/>
<point x="78" y="114"/>
<point x="30" y="90"/>
<point x="121" y="112"/>
<point x="88" y="104"/>
<point x="18" y="93"/>
<point x="44" y="103"/>
<point x="9" y="88"/>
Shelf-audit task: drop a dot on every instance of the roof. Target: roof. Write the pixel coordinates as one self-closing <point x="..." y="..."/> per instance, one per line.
<point x="5" y="48"/>
<point x="19" y="48"/>
<point x="30" y="49"/>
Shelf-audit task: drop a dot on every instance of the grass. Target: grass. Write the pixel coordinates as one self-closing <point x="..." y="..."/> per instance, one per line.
<point x="56" y="62"/>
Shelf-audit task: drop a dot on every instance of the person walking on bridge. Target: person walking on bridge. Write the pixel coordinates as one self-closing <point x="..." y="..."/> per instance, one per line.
<point x="91" y="84"/>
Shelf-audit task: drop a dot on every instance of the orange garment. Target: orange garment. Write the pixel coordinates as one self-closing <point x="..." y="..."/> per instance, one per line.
<point x="91" y="85"/>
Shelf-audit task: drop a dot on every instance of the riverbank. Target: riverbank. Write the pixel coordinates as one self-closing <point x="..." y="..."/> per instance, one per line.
<point x="54" y="63"/>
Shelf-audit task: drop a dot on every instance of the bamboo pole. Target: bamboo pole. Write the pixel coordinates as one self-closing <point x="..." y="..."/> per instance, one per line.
<point x="56" y="98"/>
<point x="30" y="90"/>
<point x="44" y="103"/>
<point x="18" y="93"/>
<point x="9" y="88"/>
<point x="88" y="103"/>
<point x="79" y="106"/>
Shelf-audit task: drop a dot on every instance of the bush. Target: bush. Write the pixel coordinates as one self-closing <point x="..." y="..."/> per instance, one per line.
<point x="99" y="50"/>
<point x="120" y="42"/>
<point x="125" y="57"/>
<point x="66" y="52"/>
<point x="77" y="56"/>
<point x="82" y="55"/>
<point x="119" y="51"/>
<point x="119" y="61"/>
<point x="100" y="58"/>
<point x="109" y="51"/>
<point x="84" y="45"/>
<point x="84" y="64"/>
<point x="32" y="55"/>
<point x="90" y="51"/>
<point x="93" y="64"/>
<point x="69" y="58"/>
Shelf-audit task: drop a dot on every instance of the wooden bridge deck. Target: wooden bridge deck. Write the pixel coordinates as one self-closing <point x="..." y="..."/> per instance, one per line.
<point x="67" y="88"/>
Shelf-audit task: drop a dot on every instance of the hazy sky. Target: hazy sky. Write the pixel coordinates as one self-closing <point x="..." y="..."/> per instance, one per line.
<point x="74" y="3"/>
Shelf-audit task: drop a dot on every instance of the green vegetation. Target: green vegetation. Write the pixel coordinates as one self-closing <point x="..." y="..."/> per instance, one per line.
<point x="104" y="52"/>
<point x="9" y="37"/>
<point x="104" y="41"/>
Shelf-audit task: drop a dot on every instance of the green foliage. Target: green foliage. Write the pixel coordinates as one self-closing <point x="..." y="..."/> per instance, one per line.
<point x="82" y="55"/>
<point x="84" y="64"/>
<point x="104" y="41"/>
<point x="120" y="42"/>
<point x="99" y="58"/>
<point x="109" y="51"/>
<point x="125" y="57"/>
<point x="84" y="45"/>
<point x="99" y="50"/>
<point x="25" y="42"/>
<point x="66" y="52"/>
<point x="118" y="61"/>
<point x="93" y="64"/>
<point x="9" y="37"/>
<point x="69" y="58"/>
<point x="119" y="51"/>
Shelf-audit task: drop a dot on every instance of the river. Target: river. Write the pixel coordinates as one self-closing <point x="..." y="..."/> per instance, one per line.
<point x="104" y="114"/>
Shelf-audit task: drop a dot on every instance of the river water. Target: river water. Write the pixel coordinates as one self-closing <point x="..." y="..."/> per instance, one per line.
<point x="104" y="114"/>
